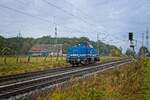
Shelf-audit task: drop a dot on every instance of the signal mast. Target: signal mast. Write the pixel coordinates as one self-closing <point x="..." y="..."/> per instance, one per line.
<point x="131" y="41"/>
<point x="147" y="38"/>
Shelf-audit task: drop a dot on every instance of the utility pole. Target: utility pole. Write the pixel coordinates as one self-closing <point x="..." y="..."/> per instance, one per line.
<point x="142" y="39"/>
<point x="18" y="45"/>
<point x="147" y="38"/>
<point x="98" y="43"/>
<point x="56" y="42"/>
<point x="19" y="35"/>
<point x="55" y="34"/>
<point x="19" y="40"/>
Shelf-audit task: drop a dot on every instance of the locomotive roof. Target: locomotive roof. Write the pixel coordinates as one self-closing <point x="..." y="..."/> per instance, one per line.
<point x="84" y="44"/>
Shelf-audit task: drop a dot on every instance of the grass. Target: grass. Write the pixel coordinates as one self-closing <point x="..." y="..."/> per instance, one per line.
<point x="11" y="66"/>
<point x="36" y="63"/>
<point x="108" y="58"/>
<point x="121" y="83"/>
<point x="147" y="81"/>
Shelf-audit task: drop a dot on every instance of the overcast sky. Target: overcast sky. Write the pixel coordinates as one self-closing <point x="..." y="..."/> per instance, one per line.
<point x="111" y="19"/>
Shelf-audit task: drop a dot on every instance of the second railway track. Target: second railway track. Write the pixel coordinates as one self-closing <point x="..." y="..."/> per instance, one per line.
<point x="33" y="82"/>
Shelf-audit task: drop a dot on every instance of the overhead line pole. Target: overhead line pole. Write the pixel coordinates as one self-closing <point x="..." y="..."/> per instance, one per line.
<point x="56" y="42"/>
<point x="147" y="38"/>
<point x="142" y="39"/>
<point x="98" y="43"/>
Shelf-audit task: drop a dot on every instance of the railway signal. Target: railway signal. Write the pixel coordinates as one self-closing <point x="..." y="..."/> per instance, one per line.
<point x="131" y="40"/>
<point x="131" y="36"/>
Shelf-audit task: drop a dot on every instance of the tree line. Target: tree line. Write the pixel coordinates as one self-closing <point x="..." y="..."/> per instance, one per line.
<point x="21" y="46"/>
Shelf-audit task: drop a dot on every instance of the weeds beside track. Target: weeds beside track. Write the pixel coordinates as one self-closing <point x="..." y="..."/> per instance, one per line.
<point x="10" y="90"/>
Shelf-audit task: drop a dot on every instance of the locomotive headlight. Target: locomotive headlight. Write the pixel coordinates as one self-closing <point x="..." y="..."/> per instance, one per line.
<point x="72" y="55"/>
<point x="78" y="59"/>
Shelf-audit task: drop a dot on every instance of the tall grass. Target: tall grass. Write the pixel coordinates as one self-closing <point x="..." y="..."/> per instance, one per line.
<point x="12" y="66"/>
<point x="146" y="86"/>
<point x="21" y="64"/>
<point x="121" y="83"/>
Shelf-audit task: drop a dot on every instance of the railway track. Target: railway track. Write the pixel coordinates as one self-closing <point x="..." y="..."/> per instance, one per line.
<point x="14" y="85"/>
<point x="31" y="75"/>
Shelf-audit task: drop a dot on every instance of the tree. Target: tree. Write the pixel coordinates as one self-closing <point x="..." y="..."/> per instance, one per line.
<point x="130" y="53"/>
<point x="21" y="46"/>
<point x="6" y="51"/>
<point x="143" y="51"/>
<point x="2" y="43"/>
<point x="116" y="52"/>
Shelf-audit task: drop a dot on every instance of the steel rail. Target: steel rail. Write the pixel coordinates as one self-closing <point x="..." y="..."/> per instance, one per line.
<point x="10" y="90"/>
<point x="30" y="75"/>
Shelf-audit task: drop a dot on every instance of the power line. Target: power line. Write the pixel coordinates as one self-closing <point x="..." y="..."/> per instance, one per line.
<point x="24" y="13"/>
<point x="20" y="1"/>
<point x="39" y="18"/>
<point x="53" y="5"/>
<point x="65" y="11"/>
<point x="30" y="15"/>
<point x="77" y="9"/>
<point x="81" y="11"/>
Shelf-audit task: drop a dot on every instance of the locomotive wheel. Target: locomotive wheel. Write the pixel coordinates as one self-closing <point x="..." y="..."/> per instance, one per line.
<point x="75" y="64"/>
<point x="84" y="62"/>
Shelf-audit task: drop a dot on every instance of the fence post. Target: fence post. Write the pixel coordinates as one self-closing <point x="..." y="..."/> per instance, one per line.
<point x="28" y="59"/>
<point x="17" y="60"/>
<point x="5" y="60"/>
<point x="45" y="58"/>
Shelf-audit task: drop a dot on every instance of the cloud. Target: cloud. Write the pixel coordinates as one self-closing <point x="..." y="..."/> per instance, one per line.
<point x="115" y="18"/>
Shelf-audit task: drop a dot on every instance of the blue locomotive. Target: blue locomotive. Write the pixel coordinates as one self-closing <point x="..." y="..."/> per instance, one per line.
<point x="82" y="53"/>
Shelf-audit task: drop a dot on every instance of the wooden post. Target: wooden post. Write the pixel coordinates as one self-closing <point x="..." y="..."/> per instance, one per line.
<point x="17" y="60"/>
<point x="45" y="58"/>
<point x="5" y="60"/>
<point x="28" y="59"/>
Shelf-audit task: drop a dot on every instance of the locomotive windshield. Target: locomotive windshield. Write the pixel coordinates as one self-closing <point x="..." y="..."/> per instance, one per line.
<point x="84" y="44"/>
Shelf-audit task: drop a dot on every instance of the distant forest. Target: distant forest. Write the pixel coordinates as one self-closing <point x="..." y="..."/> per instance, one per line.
<point x="21" y="46"/>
